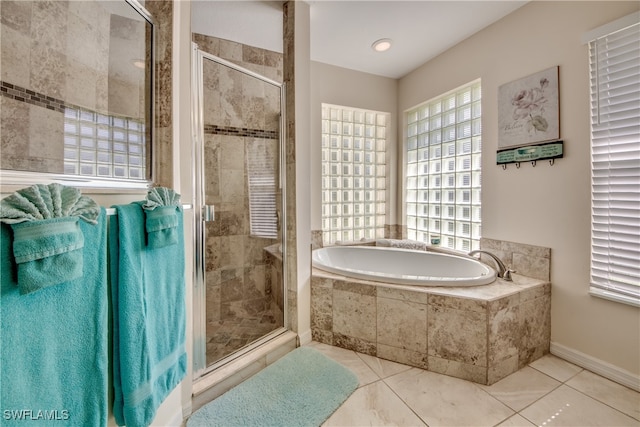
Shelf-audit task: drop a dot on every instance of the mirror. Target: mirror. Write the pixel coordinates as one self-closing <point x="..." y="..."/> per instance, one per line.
<point x="76" y="87"/>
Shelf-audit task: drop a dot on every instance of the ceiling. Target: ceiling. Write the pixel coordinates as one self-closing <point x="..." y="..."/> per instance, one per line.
<point x="342" y="31"/>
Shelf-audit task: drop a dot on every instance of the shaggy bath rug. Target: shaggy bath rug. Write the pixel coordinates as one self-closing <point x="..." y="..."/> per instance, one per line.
<point x="302" y="388"/>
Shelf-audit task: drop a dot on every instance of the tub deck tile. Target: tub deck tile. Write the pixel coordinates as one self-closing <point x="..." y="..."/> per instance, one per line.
<point x="355" y="344"/>
<point x="404" y="356"/>
<point x="481" y="333"/>
<point x="402" y="324"/>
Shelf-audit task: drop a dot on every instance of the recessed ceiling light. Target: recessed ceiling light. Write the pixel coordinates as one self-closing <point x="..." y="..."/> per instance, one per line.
<point x="381" y="45"/>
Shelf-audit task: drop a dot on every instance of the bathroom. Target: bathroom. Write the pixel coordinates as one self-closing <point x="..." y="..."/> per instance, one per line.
<point x="546" y="206"/>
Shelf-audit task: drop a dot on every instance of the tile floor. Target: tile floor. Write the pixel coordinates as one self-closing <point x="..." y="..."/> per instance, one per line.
<point x="548" y="392"/>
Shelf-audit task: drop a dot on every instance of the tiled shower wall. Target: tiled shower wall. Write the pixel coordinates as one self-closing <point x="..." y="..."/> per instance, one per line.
<point x="55" y="54"/>
<point x="241" y="115"/>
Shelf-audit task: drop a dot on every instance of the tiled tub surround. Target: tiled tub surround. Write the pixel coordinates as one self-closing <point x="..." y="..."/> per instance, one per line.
<point x="481" y="334"/>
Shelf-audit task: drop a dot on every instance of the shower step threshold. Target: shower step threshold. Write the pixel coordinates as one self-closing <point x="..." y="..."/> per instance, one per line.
<point x="227" y="376"/>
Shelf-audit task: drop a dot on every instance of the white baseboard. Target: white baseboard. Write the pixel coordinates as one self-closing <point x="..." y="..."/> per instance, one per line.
<point x="186" y="409"/>
<point x="176" y="420"/>
<point x="597" y="366"/>
<point x="305" y="337"/>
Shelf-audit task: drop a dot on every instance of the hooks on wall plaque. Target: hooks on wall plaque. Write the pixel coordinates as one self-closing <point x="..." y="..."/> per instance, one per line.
<point x="532" y="153"/>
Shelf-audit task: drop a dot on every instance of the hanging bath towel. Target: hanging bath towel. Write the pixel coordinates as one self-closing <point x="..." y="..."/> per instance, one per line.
<point x="53" y="341"/>
<point x="148" y="286"/>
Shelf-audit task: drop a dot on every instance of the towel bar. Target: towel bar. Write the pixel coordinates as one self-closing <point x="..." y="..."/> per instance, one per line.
<point x="112" y="211"/>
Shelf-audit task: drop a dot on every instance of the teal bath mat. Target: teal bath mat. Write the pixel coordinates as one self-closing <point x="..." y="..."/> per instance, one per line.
<point x="302" y="388"/>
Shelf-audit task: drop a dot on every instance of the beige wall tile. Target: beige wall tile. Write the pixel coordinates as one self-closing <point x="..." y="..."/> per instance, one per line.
<point x="402" y="324"/>
<point x="354" y="315"/>
<point x="356" y="344"/>
<point x="15" y="55"/>
<point x="402" y="294"/>
<point x="465" y="304"/>
<point x="457" y="335"/>
<point x="535" y="329"/>
<point x="401" y="355"/>
<point x="452" y="368"/>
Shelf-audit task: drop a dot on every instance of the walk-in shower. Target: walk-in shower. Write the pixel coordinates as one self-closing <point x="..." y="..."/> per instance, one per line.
<point x="238" y="137"/>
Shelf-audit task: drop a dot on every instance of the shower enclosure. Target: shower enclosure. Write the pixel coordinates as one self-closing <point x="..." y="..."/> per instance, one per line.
<point x="239" y="298"/>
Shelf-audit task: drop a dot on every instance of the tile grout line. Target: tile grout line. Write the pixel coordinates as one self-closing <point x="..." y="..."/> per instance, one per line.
<point x="382" y="380"/>
<point x="559" y="384"/>
<point x="401" y="399"/>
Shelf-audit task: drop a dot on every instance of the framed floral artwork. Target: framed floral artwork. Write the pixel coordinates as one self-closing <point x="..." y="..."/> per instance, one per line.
<point x="528" y="110"/>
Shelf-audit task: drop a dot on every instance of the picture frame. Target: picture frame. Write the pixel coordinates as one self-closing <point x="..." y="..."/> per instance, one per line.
<point x="529" y="110"/>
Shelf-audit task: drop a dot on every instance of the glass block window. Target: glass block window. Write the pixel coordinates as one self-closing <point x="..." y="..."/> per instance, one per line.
<point x="103" y="146"/>
<point x="353" y="173"/>
<point x="444" y="144"/>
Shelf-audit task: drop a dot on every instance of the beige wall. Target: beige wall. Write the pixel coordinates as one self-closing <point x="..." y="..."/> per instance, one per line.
<point x="543" y="205"/>
<point x="340" y="86"/>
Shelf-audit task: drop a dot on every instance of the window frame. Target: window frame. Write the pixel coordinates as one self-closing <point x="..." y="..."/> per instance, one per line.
<point x="613" y="170"/>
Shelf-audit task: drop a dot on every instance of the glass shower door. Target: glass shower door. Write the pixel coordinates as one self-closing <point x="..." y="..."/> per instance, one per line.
<point x="240" y="289"/>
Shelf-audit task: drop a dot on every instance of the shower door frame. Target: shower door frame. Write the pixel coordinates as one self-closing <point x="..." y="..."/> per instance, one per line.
<point x="202" y="214"/>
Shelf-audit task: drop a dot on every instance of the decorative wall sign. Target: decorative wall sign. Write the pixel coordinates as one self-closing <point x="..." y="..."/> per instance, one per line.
<point x="531" y="153"/>
<point x="528" y="110"/>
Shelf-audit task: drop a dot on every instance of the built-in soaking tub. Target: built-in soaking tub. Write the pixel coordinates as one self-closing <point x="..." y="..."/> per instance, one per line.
<point x="402" y="266"/>
<point x="477" y="333"/>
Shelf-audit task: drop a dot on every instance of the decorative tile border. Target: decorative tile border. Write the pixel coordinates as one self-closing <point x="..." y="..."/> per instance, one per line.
<point x="234" y="131"/>
<point x="29" y="96"/>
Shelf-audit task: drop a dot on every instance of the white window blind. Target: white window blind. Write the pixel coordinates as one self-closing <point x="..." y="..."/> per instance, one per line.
<point x="261" y="175"/>
<point x="615" y="163"/>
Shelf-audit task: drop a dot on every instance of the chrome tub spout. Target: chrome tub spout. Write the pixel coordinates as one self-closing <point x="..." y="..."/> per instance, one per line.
<point x="504" y="272"/>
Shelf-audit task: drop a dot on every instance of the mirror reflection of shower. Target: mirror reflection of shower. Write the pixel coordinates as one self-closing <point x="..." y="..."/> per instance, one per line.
<point x="243" y="296"/>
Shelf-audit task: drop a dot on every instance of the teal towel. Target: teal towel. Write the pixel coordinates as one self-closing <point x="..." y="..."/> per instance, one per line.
<point x="45" y="202"/>
<point x="148" y="294"/>
<point x="162" y="226"/>
<point x="48" y="252"/>
<point x="53" y="343"/>
<point x="161" y="207"/>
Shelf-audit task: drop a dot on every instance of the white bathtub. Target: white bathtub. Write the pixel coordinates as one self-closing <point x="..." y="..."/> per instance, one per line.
<point x="402" y="266"/>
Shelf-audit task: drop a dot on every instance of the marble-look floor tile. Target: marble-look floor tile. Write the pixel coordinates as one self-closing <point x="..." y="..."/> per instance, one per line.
<point x="568" y="407"/>
<point x="555" y="367"/>
<point x="516" y="421"/>
<point x="383" y="368"/>
<point x="606" y="391"/>
<point x="522" y="388"/>
<point x="440" y="400"/>
<point x="373" y="405"/>
<point x="349" y="359"/>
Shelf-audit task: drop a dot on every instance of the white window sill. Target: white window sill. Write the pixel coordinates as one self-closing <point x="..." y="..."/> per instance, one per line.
<point x="612" y="296"/>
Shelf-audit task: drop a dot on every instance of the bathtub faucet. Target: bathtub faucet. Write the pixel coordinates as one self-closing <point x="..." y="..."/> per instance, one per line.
<point x="504" y="272"/>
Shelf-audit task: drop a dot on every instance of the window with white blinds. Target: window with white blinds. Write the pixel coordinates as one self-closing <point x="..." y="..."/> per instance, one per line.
<point x="615" y="163"/>
<point x="263" y="186"/>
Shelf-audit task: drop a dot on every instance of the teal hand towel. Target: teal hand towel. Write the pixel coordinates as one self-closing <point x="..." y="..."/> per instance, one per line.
<point x="47" y="252"/>
<point x="162" y="226"/>
<point x="161" y="207"/>
<point x="45" y="202"/>
<point x="148" y="296"/>
<point x="53" y="343"/>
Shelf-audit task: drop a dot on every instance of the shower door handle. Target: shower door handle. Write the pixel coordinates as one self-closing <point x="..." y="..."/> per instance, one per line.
<point x="208" y="213"/>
